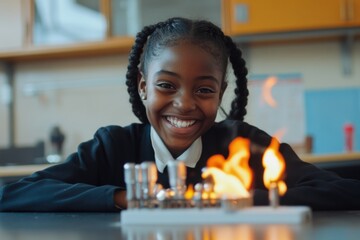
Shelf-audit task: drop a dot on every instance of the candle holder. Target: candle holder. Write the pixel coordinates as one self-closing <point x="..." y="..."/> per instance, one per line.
<point x="174" y="205"/>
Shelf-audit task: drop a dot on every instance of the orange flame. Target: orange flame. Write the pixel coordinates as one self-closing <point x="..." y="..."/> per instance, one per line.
<point x="266" y="91"/>
<point x="189" y="192"/>
<point x="274" y="165"/>
<point x="231" y="176"/>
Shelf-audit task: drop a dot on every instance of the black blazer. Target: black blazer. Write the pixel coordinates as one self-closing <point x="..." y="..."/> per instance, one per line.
<point x="86" y="181"/>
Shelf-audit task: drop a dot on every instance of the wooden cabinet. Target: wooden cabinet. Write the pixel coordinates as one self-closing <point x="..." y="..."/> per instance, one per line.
<point x="40" y="37"/>
<point x="354" y="12"/>
<point x="242" y="17"/>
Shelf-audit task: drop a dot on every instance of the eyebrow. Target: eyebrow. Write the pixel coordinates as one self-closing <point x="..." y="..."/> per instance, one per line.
<point x="167" y="73"/>
<point x="205" y="77"/>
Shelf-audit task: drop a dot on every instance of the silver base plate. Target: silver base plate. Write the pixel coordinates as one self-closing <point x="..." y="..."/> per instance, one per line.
<point x="184" y="216"/>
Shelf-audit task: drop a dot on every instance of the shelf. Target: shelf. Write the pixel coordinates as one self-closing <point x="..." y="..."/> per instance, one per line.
<point x="325" y="158"/>
<point x="122" y="45"/>
<point x="114" y="46"/>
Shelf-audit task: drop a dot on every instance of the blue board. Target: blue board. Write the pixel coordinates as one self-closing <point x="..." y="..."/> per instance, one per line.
<point x="326" y="113"/>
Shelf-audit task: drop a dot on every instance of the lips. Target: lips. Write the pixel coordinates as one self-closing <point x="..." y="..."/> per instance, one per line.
<point x="180" y="123"/>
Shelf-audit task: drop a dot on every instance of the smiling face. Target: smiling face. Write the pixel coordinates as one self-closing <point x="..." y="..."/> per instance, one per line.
<point x="183" y="86"/>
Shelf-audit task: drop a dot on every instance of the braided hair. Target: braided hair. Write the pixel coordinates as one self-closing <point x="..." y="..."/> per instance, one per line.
<point x="153" y="38"/>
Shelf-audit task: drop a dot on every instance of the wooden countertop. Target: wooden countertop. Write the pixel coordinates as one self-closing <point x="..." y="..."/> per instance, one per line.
<point x="21" y="170"/>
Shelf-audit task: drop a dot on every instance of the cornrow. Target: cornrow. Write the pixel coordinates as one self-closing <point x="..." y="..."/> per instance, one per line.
<point x="152" y="39"/>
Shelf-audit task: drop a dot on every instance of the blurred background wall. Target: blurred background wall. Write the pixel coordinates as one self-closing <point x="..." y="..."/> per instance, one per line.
<point x="82" y="94"/>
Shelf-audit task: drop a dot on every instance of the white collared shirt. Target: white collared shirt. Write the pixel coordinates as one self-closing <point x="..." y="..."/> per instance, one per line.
<point x="162" y="155"/>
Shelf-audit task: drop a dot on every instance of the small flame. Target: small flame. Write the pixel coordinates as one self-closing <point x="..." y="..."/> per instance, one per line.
<point x="266" y="91"/>
<point x="274" y="165"/>
<point x="189" y="192"/>
<point x="232" y="176"/>
<point x="209" y="195"/>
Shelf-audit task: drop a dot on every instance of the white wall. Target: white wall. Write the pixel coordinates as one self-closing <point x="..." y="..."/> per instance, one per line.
<point x="4" y="123"/>
<point x="91" y="94"/>
<point x="319" y="63"/>
<point x="11" y="25"/>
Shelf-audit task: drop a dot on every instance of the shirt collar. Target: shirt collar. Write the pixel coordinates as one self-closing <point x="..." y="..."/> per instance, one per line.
<point x="162" y="155"/>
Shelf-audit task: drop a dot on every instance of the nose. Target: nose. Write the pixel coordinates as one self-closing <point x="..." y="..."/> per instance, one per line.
<point x="184" y="102"/>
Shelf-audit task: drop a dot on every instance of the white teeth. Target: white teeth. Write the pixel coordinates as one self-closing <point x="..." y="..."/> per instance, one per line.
<point x="180" y="123"/>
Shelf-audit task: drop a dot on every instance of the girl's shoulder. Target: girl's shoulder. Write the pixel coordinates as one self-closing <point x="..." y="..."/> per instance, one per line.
<point x="237" y="128"/>
<point x="131" y="128"/>
<point x="234" y="125"/>
<point x="133" y="131"/>
<point x="121" y="142"/>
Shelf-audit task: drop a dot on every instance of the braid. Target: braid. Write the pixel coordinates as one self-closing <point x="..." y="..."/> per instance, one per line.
<point x="133" y="72"/>
<point x="238" y="105"/>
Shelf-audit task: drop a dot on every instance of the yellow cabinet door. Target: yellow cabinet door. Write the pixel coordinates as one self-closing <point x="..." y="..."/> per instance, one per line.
<point x="353" y="13"/>
<point x="268" y="16"/>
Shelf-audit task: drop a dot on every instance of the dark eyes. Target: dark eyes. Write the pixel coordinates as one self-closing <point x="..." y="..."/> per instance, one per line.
<point x="166" y="86"/>
<point x="205" y="90"/>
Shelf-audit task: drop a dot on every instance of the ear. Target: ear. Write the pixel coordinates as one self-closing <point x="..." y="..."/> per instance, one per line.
<point x="142" y="86"/>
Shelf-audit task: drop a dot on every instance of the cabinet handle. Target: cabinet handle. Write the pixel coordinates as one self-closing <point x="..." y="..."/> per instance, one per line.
<point x="242" y="13"/>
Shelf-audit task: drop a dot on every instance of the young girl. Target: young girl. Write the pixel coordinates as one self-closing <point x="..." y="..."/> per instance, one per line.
<point x="176" y="79"/>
